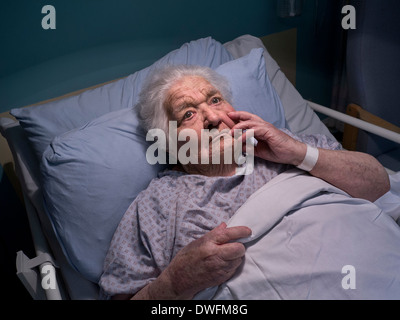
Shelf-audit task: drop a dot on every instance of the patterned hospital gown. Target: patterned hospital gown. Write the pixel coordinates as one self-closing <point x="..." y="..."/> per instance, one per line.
<point x="174" y="210"/>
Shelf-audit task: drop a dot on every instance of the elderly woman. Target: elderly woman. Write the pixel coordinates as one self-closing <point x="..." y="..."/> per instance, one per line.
<point x="173" y="241"/>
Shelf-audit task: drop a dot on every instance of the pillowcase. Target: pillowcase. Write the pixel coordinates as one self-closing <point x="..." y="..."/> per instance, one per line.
<point x="92" y="174"/>
<point x="90" y="177"/>
<point x="251" y="88"/>
<point x="300" y="118"/>
<point x="44" y="122"/>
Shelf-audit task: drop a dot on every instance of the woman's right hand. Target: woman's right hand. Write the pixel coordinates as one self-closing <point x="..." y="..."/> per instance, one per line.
<point x="206" y="262"/>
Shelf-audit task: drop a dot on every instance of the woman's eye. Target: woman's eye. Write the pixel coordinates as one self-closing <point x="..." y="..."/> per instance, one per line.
<point x="216" y="100"/>
<point x="187" y="115"/>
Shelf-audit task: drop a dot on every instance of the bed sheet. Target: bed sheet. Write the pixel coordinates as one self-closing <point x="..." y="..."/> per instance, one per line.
<point x="312" y="241"/>
<point x="390" y="202"/>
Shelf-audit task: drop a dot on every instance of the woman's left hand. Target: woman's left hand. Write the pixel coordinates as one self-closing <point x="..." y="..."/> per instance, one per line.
<point x="273" y="144"/>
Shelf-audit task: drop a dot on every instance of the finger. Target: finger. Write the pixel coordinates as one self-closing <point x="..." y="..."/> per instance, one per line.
<point x="231" y="251"/>
<point x="231" y="267"/>
<point x="242" y="133"/>
<point x="223" y="234"/>
<point x="242" y="116"/>
<point x="246" y="124"/>
<point x="257" y="127"/>
<point x="228" y="121"/>
<point x="251" y="135"/>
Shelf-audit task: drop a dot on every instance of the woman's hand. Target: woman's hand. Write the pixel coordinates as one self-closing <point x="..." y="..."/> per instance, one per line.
<point x="205" y="262"/>
<point x="273" y="144"/>
<point x="358" y="174"/>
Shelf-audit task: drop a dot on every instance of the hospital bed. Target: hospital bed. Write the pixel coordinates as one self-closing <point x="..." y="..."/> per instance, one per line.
<point x="66" y="152"/>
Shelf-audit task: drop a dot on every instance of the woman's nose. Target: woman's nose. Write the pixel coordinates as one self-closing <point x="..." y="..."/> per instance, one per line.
<point x="212" y="119"/>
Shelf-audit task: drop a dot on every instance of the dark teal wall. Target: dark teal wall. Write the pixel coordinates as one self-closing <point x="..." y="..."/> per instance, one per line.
<point x="86" y="23"/>
<point x="78" y="53"/>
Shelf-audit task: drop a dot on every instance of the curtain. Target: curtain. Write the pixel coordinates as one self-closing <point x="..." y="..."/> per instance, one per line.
<point x="339" y="87"/>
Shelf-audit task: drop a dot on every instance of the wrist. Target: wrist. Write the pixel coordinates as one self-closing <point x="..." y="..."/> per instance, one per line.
<point x="162" y="288"/>
<point x="174" y="287"/>
<point x="310" y="159"/>
<point x="300" y="154"/>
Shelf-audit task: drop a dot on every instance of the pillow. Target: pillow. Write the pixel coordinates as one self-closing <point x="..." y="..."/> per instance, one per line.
<point x="92" y="174"/>
<point x="43" y="122"/>
<point x="90" y="177"/>
<point x="251" y="88"/>
<point x="301" y="119"/>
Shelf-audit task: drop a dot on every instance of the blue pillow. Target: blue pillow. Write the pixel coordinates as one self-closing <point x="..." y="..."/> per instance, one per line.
<point x="251" y="88"/>
<point x="44" y="122"/>
<point x="90" y="177"/>
<point x="92" y="174"/>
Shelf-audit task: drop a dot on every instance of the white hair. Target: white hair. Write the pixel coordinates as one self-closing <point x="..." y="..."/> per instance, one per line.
<point x="151" y="107"/>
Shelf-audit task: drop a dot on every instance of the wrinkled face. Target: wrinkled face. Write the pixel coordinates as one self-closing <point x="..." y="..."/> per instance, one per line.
<point x="195" y="104"/>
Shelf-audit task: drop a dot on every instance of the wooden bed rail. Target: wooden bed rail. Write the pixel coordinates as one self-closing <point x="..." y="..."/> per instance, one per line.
<point x="365" y="121"/>
<point x="351" y="133"/>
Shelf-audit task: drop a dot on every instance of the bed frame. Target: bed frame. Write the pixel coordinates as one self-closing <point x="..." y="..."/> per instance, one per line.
<point x="40" y="271"/>
<point x="27" y="268"/>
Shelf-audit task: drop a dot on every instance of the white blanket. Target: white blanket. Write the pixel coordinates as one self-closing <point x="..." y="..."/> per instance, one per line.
<point x="312" y="241"/>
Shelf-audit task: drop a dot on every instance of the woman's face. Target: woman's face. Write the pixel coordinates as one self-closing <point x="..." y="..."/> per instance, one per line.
<point x="195" y="104"/>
